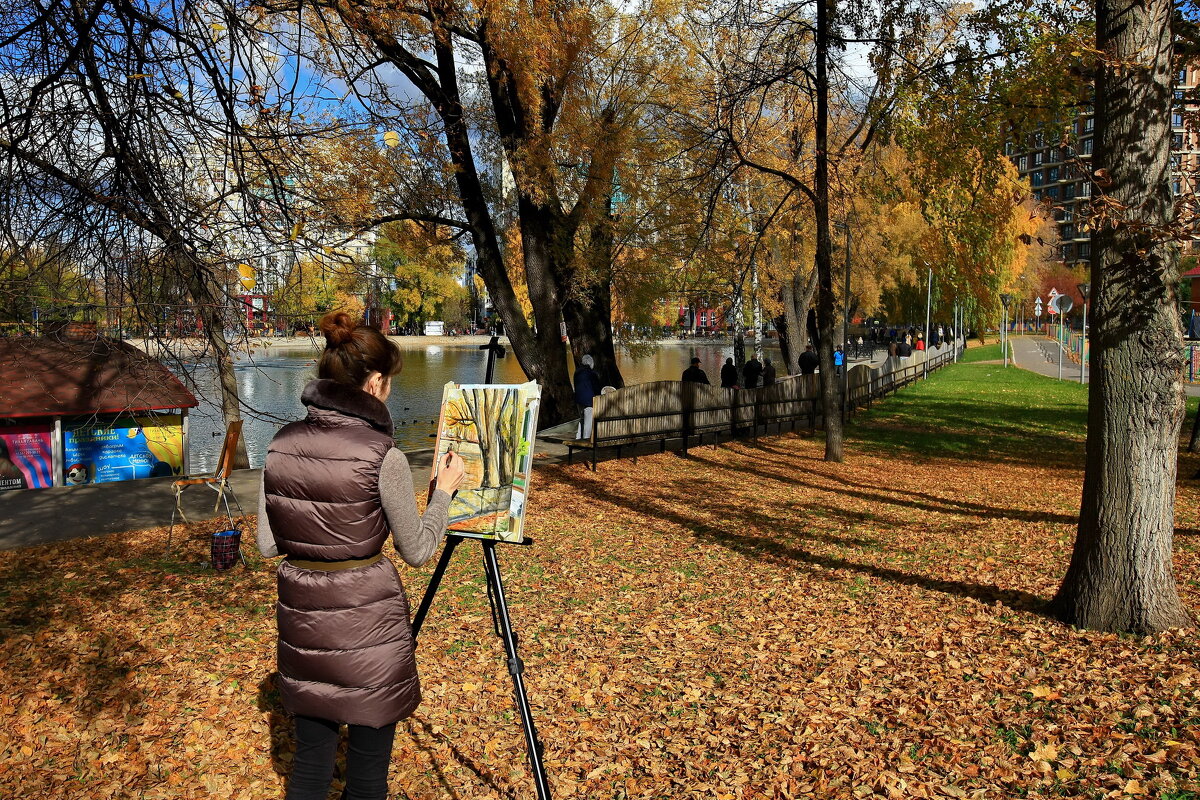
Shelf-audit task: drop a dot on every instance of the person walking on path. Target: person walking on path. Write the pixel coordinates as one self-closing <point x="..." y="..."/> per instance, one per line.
<point x="904" y="350"/>
<point x="768" y="373"/>
<point x="752" y="371"/>
<point x="808" y="361"/>
<point x="587" y="386"/>
<point x="920" y="345"/>
<point x="694" y="374"/>
<point x="839" y="359"/>
<point x="729" y="375"/>
<point x="333" y="486"/>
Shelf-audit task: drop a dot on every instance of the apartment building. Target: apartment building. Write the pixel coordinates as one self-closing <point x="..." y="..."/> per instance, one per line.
<point x="1058" y="169"/>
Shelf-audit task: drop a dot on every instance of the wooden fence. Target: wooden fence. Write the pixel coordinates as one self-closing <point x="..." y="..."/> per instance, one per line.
<point x="668" y="410"/>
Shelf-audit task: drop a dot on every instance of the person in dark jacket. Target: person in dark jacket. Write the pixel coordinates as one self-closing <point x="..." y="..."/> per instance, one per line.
<point x="752" y="371"/>
<point x="587" y="386"/>
<point x="333" y="487"/>
<point x="694" y="374"/>
<point x="808" y="361"/>
<point x="729" y="375"/>
<point x="768" y="373"/>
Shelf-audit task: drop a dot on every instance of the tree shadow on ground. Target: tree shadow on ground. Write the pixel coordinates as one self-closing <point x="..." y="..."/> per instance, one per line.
<point x="782" y="549"/>
<point x="88" y="665"/>
<point x="279" y="725"/>
<point x="883" y="494"/>
<point x="418" y="727"/>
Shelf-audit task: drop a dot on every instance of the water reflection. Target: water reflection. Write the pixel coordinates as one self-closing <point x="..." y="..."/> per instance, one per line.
<point x="271" y="387"/>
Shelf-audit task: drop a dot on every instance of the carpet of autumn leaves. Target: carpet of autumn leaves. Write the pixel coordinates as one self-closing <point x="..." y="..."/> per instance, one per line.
<point x="745" y="622"/>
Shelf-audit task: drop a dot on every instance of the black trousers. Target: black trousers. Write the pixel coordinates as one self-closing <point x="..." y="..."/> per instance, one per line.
<point x="367" y="761"/>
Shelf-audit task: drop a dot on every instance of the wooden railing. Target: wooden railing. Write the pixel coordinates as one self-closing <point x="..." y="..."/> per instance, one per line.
<point x="666" y="410"/>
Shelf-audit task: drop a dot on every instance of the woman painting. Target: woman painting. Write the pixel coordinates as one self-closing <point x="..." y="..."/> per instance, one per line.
<point x="334" y="486"/>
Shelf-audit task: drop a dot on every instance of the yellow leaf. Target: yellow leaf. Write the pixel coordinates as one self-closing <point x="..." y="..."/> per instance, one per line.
<point x="1046" y="752"/>
<point x="391" y="138"/>
<point x="1064" y="774"/>
<point x="1134" y="787"/>
<point x="216" y="26"/>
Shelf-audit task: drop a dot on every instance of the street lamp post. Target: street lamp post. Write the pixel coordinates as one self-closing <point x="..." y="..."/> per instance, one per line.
<point x="928" y="302"/>
<point x="1084" y="289"/>
<point x="1005" y="299"/>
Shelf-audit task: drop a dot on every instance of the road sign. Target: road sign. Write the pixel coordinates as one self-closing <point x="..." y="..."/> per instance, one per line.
<point x="1062" y="304"/>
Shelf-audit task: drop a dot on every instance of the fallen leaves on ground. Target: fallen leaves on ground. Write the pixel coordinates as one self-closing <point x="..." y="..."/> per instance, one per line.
<point x="745" y="622"/>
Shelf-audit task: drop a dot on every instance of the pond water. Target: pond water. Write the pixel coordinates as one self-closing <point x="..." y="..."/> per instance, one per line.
<point x="271" y="385"/>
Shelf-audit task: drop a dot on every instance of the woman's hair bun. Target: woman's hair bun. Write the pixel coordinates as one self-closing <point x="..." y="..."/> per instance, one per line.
<point x="338" y="327"/>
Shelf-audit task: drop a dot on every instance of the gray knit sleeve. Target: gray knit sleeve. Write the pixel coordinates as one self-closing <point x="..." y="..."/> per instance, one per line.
<point x="416" y="537"/>
<point x="266" y="538"/>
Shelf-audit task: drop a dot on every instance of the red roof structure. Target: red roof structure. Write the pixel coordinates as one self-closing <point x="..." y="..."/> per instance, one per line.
<point x="63" y="377"/>
<point x="1194" y="272"/>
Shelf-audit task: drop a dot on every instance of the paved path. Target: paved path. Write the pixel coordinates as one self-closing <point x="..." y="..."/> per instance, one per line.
<point x="1039" y="354"/>
<point x="41" y="516"/>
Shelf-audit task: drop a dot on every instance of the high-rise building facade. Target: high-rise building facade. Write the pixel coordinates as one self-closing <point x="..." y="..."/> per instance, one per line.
<point x="1059" y="171"/>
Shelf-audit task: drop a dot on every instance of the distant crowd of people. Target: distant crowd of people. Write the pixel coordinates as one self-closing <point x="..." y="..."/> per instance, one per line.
<point x="754" y="374"/>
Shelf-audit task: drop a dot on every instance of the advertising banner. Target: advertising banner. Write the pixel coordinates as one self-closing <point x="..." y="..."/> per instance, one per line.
<point x="26" y="457"/>
<point x="123" y="449"/>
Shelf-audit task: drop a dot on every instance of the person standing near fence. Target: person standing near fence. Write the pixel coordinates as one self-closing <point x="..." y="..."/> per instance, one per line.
<point x="752" y="371"/>
<point x="694" y="374"/>
<point x="839" y="359"/>
<point x="587" y="386"/>
<point x="808" y="361"/>
<point x="729" y="375"/>
<point x="334" y="485"/>
<point x="768" y="373"/>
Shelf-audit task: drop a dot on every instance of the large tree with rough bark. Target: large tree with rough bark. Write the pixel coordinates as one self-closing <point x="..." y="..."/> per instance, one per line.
<point x="1121" y="576"/>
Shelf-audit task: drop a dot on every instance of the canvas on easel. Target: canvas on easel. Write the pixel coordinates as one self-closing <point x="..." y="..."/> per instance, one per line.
<point x="492" y="427"/>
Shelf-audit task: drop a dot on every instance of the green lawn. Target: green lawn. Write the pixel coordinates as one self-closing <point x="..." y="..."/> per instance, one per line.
<point x="983" y="411"/>
<point x="987" y="352"/>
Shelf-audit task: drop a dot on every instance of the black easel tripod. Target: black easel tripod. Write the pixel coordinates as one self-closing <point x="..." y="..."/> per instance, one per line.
<point x="502" y="625"/>
<point x="501" y="622"/>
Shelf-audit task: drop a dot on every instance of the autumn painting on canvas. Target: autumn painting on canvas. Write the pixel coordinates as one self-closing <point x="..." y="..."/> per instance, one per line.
<point x="492" y="428"/>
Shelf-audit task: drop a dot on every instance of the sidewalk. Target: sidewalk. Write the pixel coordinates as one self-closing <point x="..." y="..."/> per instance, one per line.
<point x="1039" y="354"/>
<point x="41" y="516"/>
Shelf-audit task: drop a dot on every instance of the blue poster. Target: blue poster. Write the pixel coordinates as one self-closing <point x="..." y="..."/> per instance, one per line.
<point x="124" y="449"/>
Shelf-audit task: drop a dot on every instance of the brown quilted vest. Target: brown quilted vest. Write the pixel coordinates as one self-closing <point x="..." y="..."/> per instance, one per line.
<point x="346" y="651"/>
<point x="321" y="477"/>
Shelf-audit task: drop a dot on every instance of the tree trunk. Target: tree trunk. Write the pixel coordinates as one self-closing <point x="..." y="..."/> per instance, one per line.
<point x="797" y="299"/>
<point x="539" y="245"/>
<point x="209" y="299"/>
<point x="826" y="303"/>
<point x="737" y="325"/>
<point x="588" y="313"/>
<point x="1120" y="577"/>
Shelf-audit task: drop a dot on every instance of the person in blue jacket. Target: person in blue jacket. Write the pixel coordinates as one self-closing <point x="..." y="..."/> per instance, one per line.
<point x="839" y="358"/>
<point x="587" y="386"/>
